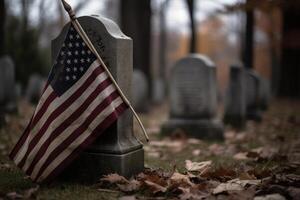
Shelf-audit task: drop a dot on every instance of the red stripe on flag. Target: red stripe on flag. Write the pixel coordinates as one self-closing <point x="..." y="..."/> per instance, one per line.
<point x="96" y="133"/>
<point x="60" y="110"/>
<point x="75" y="115"/>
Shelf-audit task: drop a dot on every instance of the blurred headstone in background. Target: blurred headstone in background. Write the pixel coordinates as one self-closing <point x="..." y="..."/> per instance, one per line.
<point x="265" y="96"/>
<point x="116" y="150"/>
<point x="8" y="97"/>
<point x="140" y="90"/>
<point x="193" y="99"/>
<point x="158" y="90"/>
<point x="35" y="88"/>
<point x="235" y="99"/>
<point x="7" y="84"/>
<point x="253" y="96"/>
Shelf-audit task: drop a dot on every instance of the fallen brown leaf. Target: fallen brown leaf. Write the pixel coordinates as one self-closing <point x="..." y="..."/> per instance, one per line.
<point x="14" y="195"/>
<point x="155" y="188"/>
<point x="127" y="198"/>
<point x="30" y="193"/>
<point x="114" y="178"/>
<point x="241" y="156"/>
<point x="270" y="197"/>
<point x="191" y="194"/>
<point x="180" y="179"/>
<point x="235" y="184"/>
<point x="131" y="186"/>
<point x="197" y="166"/>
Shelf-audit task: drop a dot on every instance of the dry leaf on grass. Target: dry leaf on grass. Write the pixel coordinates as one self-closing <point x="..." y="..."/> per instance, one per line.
<point x="216" y="149"/>
<point x="235" y="185"/>
<point x="5" y="166"/>
<point x="194" y="141"/>
<point x="241" y="156"/>
<point x="270" y="197"/>
<point x="127" y="198"/>
<point x="14" y="195"/>
<point x="30" y="193"/>
<point x="196" y="152"/>
<point x="180" y="179"/>
<point x="197" y="166"/>
<point x="191" y="193"/>
<point x="114" y="178"/>
<point x="155" y="188"/>
<point x="225" y="187"/>
<point x="131" y="186"/>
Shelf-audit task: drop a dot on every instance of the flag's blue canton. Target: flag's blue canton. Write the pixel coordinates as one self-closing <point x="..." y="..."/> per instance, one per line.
<point x="72" y="62"/>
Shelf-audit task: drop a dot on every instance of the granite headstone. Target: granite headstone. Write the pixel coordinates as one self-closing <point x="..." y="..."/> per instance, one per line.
<point x="193" y="99"/>
<point x="235" y="100"/>
<point x="116" y="150"/>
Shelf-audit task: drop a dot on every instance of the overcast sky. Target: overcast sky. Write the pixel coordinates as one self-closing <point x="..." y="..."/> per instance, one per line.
<point x="176" y="15"/>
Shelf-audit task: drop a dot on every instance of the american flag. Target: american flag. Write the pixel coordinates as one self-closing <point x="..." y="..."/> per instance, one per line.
<point x="78" y="103"/>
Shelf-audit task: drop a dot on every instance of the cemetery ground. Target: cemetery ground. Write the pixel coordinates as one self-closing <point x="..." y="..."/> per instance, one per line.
<point x="261" y="162"/>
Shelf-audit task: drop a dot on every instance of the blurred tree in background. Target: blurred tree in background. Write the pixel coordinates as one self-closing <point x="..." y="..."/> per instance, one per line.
<point x="22" y="44"/>
<point x="20" y="40"/>
<point x="2" y="26"/>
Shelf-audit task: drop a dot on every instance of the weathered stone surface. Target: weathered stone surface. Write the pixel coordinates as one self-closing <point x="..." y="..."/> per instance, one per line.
<point x="253" y="108"/>
<point x="35" y="88"/>
<point x="116" y="150"/>
<point x="193" y="98"/>
<point x="235" y="100"/>
<point x="140" y="90"/>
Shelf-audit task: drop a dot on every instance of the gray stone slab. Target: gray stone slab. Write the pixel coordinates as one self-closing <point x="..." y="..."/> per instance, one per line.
<point x="193" y="98"/>
<point x="235" y="100"/>
<point x="117" y="143"/>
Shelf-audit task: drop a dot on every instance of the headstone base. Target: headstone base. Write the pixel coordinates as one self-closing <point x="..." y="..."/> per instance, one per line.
<point x="201" y="129"/>
<point x="89" y="167"/>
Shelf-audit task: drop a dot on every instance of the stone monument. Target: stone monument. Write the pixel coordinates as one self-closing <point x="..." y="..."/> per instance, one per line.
<point x="193" y="99"/>
<point x="116" y="150"/>
<point x="235" y="100"/>
<point x="253" y="96"/>
<point x="140" y="90"/>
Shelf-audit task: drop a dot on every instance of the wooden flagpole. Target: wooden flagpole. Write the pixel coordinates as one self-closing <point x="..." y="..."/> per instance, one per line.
<point x="82" y="33"/>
